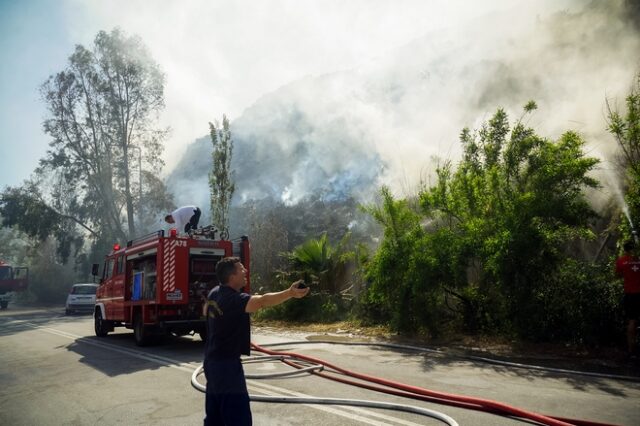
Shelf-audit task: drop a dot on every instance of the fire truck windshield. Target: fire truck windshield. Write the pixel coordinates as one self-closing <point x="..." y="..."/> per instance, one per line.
<point x="5" y="272"/>
<point x="84" y="289"/>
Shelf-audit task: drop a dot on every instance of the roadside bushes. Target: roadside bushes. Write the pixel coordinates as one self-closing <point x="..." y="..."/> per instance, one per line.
<point x="315" y="307"/>
<point x="579" y="303"/>
<point x="485" y="243"/>
<point x="485" y="249"/>
<point x="49" y="280"/>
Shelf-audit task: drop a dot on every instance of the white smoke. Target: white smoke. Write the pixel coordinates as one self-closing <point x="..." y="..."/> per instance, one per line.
<point x="322" y="93"/>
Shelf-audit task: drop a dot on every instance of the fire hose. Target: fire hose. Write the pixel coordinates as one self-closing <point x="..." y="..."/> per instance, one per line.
<point x="325" y="401"/>
<point x="469" y="357"/>
<point x="304" y="363"/>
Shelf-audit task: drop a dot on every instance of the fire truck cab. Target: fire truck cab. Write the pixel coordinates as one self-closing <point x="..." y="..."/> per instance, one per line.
<point x="157" y="284"/>
<point x="12" y="279"/>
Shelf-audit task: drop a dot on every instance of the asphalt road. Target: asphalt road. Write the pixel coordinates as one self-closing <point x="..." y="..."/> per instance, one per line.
<point x="54" y="371"/>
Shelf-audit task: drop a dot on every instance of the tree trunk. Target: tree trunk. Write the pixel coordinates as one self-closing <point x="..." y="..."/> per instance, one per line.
<point x="127" y="191"/>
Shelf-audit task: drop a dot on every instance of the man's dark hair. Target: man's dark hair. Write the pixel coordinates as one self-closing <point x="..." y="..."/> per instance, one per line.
<point x="225" y="268"/>
<point x="628" y="245"/>
<point x="167" y="217"/>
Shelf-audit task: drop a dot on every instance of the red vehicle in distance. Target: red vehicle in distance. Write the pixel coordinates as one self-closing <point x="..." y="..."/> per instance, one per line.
<point x="12" y="279"/>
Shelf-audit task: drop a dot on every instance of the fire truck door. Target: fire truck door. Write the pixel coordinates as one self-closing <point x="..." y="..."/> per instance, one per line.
<point x="21" y="275"/>
<point x="107" y="282"/>
<point x="117" y="291"/>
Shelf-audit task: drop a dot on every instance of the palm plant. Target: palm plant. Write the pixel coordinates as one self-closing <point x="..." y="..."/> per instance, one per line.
<point x="322" y="264"/>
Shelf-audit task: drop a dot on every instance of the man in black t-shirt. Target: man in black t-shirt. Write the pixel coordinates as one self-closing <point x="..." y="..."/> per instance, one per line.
<point x="229" y="337"/>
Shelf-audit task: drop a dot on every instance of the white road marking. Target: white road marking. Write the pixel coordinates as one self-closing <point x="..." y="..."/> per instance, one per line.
<point x="261" y="387"/>
<point x="183" y="366"/>
<point x="327" y="409"/>
<point x="354" y="409"/>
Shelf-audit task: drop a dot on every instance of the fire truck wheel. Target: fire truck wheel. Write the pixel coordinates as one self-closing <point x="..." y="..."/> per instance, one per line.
<point x="100" y="325"/>
<point x="140" y="333"/>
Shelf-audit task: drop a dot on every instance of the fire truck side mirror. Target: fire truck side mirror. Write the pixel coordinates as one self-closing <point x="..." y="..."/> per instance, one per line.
<point x="94" y="269"/>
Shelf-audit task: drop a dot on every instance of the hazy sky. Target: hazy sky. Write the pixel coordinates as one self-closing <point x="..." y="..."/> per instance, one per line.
<point x="218" y="56"/>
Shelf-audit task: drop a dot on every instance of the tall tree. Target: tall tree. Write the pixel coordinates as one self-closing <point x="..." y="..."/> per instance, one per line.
<point x="269" y="238"/>
<point x="101" y="107"/>
<point x="625" y="127"/>
<point x="515" y="200"/>
<point x="221" y="176"/>
<point x="490" y="233"/>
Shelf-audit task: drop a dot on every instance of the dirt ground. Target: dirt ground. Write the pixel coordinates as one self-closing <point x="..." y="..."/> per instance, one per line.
<point x="605" y="360"/>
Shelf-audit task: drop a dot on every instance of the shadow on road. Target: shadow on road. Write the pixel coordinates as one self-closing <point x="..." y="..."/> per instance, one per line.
<point x="113" y="355"/>
<point x="12" y="319"/>
<point x="117" y="353"/>
<point x="586" y="383"/>
<point x="444" y="358"/>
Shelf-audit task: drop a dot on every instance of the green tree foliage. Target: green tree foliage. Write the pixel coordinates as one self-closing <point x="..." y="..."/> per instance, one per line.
<point x="408" y="272"/>
<point x="516" y="199"/>
<point x="269" y="238"/>
<point x="26" y="209"/>
<point x="579" y="303"/>
<point x="488" y="234"/>
<point x="102" y="110"/>
<point x="220" y="178"/>
<point x="625" y="127"/>
<point x="49" y="278"/>
<point x="13" y="249"/>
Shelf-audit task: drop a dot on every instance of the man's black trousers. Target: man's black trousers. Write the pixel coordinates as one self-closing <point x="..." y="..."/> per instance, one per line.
<point x="227" y="398"/>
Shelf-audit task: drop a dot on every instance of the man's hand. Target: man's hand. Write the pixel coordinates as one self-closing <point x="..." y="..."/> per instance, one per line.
<point x="298" y="292"/>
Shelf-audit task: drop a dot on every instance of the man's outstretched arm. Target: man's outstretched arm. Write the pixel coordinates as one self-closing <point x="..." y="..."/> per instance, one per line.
<point x="272" y="299"/>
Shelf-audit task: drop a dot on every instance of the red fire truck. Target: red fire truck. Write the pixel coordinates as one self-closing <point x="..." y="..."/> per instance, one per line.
<point x="156" y="285"/>
<point x="12" y="279"/>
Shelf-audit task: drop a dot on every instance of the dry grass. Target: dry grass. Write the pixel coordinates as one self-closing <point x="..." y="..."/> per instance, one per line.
<point x="340" y="327"/>
<point x="490" y="346"/>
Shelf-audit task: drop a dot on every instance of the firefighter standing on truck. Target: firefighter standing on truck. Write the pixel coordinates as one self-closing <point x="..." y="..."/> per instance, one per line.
<point x="185" y="218"/>
<point x="229" y="337"/>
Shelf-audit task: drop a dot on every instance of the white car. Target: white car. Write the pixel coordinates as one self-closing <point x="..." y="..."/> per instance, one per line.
<point x="82" y="297"/>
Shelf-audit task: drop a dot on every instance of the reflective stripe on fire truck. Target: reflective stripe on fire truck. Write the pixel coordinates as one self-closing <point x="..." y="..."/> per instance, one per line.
<point x="169" y="266"/>
<point x="142" y="253"/>
<point x="210" y="251"/>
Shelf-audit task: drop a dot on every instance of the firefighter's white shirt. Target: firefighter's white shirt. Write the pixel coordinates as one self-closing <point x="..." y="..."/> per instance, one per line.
<point x="181" y="216"/>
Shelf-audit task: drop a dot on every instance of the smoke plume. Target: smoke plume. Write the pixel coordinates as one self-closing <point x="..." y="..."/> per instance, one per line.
<point x="345" y="133"/>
